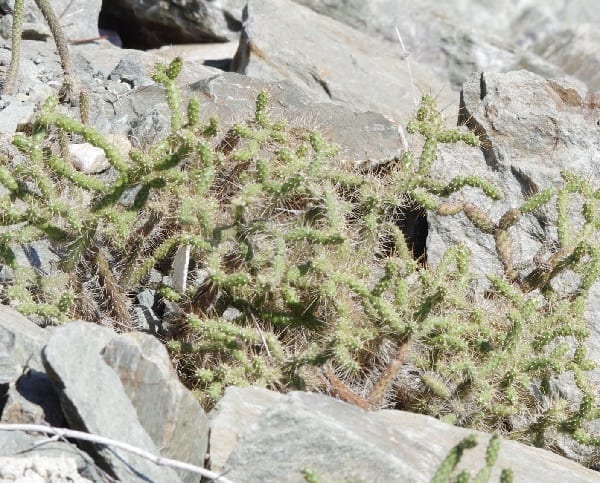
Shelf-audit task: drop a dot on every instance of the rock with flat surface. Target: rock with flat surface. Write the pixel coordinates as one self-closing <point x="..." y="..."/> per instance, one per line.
<point x="166" y="410"/>
<point x="340" y="442"/>
<point x="336" y="63"/>
<point x="75" y="365"/>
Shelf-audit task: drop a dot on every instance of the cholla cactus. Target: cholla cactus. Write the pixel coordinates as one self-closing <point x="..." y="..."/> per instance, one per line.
<point x="308" y="257"/>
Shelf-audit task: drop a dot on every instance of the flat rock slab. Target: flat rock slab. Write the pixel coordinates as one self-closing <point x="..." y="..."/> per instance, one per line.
<point x="340" y="442"/>
<point x="151" y="384"/>
<point x="283" y="40"/>
<point x="93" y="400"/>
<point x="362" y="137"/>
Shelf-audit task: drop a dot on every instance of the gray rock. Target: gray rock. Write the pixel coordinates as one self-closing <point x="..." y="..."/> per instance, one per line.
<point x="146" y="297"/>
<point x="14" y="114"/>
<point x="236" y="411"/>
<point x="15" y="443"/>
<point x="283" y="40"/>
<point x="78" y="18"/>
<point x="533" y="129"/>
<point x="27" y="394"/>
<point x="575" y="51"/>
<point x="362" y="137"/>
<point x="150" y="24"/>
<point x="132" y="71"/>
<point x="340" y="442"/>
<point x="37" y="468"/>
<point x="455" y="38"/>
<point x="81" y="375"/>
<point x="167" y="411"/>
<point x="32" y="400"/>
<point x="442" y="36"/>
<point x="21" y="342"/>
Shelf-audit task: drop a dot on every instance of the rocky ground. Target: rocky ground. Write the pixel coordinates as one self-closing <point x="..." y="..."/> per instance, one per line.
<point x="524" y="76"/>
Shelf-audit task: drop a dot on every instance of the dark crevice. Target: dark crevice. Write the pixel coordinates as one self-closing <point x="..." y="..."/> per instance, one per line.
<point x="482" y="87"/>
<point x="412" y="221"/>
<point x="465" y="118"/>
<point x="528" y="186"/>
<point x="322" y="83"/>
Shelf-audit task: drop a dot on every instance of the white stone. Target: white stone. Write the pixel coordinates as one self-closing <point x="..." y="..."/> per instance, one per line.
<point x="87" y="158"/>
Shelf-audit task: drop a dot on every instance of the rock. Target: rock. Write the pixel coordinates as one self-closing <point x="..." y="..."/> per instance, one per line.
<point x="40" y="469"/>
<point x="282" y="40"/>
<point x="132" y="70"/>
<point x="144" y="25"/>
<point x="15" y="114"/>
<point x="575" y="51"/>
<point x="456" y="38"/>
<point x="532" y="130"/>
<point x="32" y="400"/>
<point x="338" y="442"/>
<point x="78" y="18"/>
<point x="443" y="37"/>
<point x="213" y="54"/>
<point x="236" y="411"/>
<point x="27" y="394"/>
<point x="81" y="375"/>
<point x="14" y="443"/>
<point x="85" y="377"/>
<point x="21" y="342"/>
<point x="362" y="137"/>
<point x="146" y="297"/>
<point x="87" y="158"/>
<point x="166" y="410"/>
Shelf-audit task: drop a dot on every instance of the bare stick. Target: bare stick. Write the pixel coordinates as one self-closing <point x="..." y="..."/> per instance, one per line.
<point x="17" y="29"/>
<point x="405" y="55"/>
<point x="158" y="460"/>
<point x="62" y="47"/>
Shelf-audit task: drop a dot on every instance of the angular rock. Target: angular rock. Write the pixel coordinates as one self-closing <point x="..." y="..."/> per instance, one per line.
<point x="74" y="363"/>
<point x="450" y="41"/>
<point x="455" y="38"/>
<point x="21" y="342"/>
<point x="27" y="394"/>
<point x="150" y="24"/>
<point x="532" y="129"/>
<point x="32" y="400"/>
<point x="283" y="40"/>
<point x="339" y="442"/>
<point x="14" y="114"/>
<point x="87" y="158"/>
<point x="167" y="411"/>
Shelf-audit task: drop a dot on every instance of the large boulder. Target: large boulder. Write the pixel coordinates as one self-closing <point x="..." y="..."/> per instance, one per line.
<point x="302" y="432"/>
<point x="455" y="38"/>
